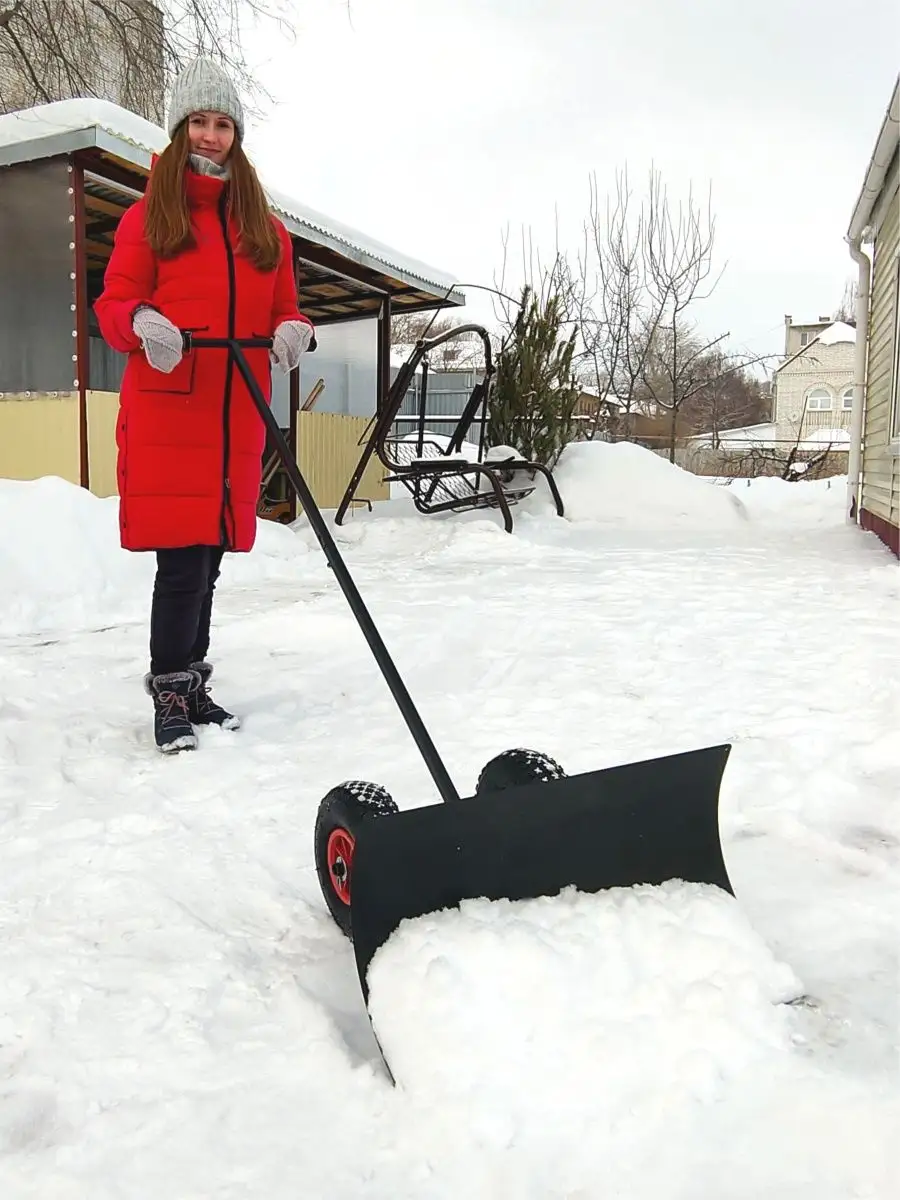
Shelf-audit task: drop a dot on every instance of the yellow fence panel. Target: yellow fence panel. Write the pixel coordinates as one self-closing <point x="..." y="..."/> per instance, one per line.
<point x="39" y="436"/>
<point x="328" y="450"/>
<point x="102" y="413"/>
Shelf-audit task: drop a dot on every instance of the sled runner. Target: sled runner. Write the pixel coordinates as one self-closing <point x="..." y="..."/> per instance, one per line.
<point x="529" y="830"/>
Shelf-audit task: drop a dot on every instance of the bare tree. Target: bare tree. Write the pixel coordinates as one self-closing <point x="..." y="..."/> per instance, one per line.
<point x="617" y="313"/>
<point x="125" y="50"/>
<point x="728" y="396"/>
<point x="541" y="280"/>
<point x="464" y="351"/>
<point x="679" y="249"/>
<point x="846" y="310"/>
<point x="783" y="462"/>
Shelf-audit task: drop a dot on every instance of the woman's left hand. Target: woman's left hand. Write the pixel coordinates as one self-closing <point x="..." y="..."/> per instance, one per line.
<point x="291" y="341"/>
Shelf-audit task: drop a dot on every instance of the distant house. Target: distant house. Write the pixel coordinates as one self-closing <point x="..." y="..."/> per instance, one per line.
<point x="813" y="385"/>
<point x="874" y="464"/>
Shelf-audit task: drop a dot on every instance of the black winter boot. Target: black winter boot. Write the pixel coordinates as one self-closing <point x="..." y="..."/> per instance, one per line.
<point x="171" y="700"/>
<point x="203" y="710"/>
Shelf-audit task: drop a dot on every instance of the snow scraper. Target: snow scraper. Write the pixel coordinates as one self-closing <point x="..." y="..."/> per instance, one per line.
<point x="529" y="830"/>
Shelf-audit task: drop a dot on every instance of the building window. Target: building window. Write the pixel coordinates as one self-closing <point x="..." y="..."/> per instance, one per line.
<point x="847" y="398"/>
<point x="819" y="400"/>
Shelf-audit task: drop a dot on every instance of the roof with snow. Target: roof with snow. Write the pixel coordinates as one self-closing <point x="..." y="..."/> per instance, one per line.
<point x="835" y="334"/>
<point x="761" y="435"/>
<point x="765" y="437"/>
<point x="839" y="331"/>
<point x="126" y="139"/>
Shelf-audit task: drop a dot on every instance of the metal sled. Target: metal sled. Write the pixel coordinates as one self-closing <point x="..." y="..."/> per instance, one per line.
<point x="528" y="831"/>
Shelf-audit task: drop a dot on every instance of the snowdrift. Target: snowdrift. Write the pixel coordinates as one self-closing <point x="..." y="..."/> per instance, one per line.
<point x="61" y="565"/>
<point x="62" y="569"/>
<point x="784" y="504"/>
<point x="624" y="486"/>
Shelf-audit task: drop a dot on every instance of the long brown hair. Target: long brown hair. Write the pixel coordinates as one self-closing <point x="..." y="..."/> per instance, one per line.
<point x="168" y="216"/>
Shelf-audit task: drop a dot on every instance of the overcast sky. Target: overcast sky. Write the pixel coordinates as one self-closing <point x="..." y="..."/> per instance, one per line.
<point x="431" y="125"/>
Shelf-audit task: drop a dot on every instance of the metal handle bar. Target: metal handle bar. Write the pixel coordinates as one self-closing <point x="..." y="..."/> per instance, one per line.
<point x="427" y="748"/>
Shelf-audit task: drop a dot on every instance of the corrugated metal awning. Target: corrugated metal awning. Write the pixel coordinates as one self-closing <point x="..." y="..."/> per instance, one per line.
<point x="347" y="277"/>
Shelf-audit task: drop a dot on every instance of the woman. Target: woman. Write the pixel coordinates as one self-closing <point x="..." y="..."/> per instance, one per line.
<point x="199" y="251"/>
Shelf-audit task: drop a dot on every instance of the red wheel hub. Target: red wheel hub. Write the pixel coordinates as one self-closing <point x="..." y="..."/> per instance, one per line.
<point x="339" y="856"/>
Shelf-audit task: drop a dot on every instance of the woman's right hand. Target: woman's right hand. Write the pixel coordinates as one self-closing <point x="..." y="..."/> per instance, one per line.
<point x="161" y="340"/>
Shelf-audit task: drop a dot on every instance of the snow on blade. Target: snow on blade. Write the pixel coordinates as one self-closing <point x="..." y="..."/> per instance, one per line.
<point x="675" y="970"/>
<point x="628" y="1038"/>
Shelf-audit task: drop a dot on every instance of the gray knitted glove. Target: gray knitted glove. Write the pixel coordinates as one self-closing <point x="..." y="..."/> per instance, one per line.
<point x="291" y="340"/>
<point x="161" y="339"/>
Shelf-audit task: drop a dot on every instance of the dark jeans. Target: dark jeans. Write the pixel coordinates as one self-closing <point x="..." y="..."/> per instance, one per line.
<point x="182" y="606"/>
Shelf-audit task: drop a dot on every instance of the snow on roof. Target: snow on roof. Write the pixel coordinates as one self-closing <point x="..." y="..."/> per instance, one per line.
<point x="822" y="437"/>
<point x="608" y="397"/>
<point x="65" y="125"/>
<point x="761" y="435"/>
<point x="459" y="355"/>
<point x="838" y="332"/>
<point x="764" y="437"/>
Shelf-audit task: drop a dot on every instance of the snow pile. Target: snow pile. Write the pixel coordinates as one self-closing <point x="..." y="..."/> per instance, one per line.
<point x="788" y="504"/>
<point x="62" y="567"/>
<point x="626" y="486"/>
<point x="632" y="1038"/>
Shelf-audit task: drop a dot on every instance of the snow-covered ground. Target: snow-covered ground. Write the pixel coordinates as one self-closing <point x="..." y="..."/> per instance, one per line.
<point x="179" y="1017"/>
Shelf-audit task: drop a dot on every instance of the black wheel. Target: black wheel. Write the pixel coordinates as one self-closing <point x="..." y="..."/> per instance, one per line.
<point x="337" y="823"/>
<point x="512" y="768"/>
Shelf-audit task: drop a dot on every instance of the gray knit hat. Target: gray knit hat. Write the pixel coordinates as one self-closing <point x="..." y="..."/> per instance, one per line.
<point x="204" y="87"/>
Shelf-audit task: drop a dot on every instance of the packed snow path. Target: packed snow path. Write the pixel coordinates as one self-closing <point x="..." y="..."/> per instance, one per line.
<point x="180" y="1018"/>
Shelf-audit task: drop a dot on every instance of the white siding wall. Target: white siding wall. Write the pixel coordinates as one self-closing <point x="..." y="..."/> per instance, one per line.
<point x="881" y="484"/>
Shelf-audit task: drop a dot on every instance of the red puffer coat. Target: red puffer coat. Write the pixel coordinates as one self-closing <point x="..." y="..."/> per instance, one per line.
<point x="190" y="443"/>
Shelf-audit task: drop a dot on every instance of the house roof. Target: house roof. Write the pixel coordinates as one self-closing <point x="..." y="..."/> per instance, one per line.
<point x="65" y="126"/>
<point x="765" y="437"/>
<point x="886" y="145"/>
<point x="836" y="333"/>
<point x="762" y="434"/>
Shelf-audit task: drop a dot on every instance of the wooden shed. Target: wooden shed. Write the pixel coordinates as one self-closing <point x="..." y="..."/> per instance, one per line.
<point x="874" y="466"/>
<point x="68" y="171"/>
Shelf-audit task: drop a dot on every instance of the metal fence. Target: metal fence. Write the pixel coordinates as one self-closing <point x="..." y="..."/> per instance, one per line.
<point x="444" y="407"/>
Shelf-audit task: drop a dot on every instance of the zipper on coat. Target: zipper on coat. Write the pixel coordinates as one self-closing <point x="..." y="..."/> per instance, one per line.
<point x="226" y="406"/>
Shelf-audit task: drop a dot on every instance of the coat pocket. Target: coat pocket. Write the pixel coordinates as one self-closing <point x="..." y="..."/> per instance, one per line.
<point x="177" y="382"/>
